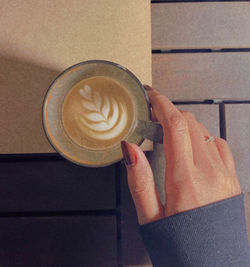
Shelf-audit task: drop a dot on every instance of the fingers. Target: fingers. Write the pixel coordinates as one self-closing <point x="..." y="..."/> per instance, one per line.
<point x="226" y="157"/>
<point x="142" y="187"/>
<point x="212" y="146"/>
<point x="221" y="152"/>
<point x="225" y="154"/>
<point x="153" y="118"/>
<point x="218" y="149"/>
<point x="228" y="160"/>
<point x="202" y="151"/>
<point x="176" y="139"/>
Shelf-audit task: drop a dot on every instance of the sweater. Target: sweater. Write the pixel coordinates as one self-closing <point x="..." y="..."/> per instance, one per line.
<point x="213" y="235"/>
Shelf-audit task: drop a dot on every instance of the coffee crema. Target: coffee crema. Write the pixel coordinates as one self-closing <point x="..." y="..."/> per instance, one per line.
<point x="98" y="112"/>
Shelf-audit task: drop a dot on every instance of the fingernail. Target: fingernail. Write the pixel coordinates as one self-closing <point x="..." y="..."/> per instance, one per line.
<point x="147" y="87"/>
<point x="128" y="153"/>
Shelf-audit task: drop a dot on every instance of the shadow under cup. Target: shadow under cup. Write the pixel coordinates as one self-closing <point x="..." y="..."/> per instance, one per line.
<point x="90" y="107"/>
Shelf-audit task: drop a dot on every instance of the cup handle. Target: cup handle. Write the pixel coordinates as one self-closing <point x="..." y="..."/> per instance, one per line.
<point x="151" y="130"/>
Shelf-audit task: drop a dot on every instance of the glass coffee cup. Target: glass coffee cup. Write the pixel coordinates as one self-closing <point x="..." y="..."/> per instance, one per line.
<point x="93" y="105"/>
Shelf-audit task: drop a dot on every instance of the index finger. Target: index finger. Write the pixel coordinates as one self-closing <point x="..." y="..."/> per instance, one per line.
<point x="176" y="139"/>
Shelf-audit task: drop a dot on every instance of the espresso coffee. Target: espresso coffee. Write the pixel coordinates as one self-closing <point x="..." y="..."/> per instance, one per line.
<point x="98" y="113"/>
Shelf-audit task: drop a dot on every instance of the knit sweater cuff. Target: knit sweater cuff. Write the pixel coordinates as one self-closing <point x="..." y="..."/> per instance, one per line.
<point x="212" y="235"/>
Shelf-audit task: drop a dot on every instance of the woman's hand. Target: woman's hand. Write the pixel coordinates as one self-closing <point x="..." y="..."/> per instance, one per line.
<point x="197" y="172"/>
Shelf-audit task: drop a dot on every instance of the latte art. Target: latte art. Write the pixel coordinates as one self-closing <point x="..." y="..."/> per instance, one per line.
<point x="104" y="117"/>
<point x="98" y="112"/>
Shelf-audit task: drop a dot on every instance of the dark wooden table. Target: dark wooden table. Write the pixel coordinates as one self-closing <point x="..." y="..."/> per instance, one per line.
<point x="55" y="213"/>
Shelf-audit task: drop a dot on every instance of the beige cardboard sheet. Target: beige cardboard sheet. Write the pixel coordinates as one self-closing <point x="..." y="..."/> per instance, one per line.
<point x="39" y="39"/>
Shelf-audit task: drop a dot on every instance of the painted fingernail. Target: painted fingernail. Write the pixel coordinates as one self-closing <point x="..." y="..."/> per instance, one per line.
<point x="147" y="87"/>
<point x="128" y="153"/>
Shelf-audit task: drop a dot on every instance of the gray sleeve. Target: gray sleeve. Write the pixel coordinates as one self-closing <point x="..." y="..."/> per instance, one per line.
<point x="212" y="235"/>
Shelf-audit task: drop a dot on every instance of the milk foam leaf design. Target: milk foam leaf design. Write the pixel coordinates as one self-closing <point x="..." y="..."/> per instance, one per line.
<point x="103" y="114"/>
<point x="113" y="119"/>
<point x="103" y="131"/>
<point x="89" y="106"/>
<point x="96" y="112"/>
<point x="89" y="103"/>
<point x="102" y="125"/>
<point x="97" y="100"/>
<point x="86" y="92"/>
<point x="94" y="117"/>
<point x="106" y="106"/>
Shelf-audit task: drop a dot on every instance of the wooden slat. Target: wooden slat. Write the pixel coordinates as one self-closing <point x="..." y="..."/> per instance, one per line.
<point x="55" y="186"/>
<point x="133" y="250"/>
<point x="202" y="75"/>
<point x="238" y="128"/>
<point x="200" y="25"/>
<point x="58" y="241"/>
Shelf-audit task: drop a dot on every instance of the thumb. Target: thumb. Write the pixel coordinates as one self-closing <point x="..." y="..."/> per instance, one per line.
<point x="141" y="184"/>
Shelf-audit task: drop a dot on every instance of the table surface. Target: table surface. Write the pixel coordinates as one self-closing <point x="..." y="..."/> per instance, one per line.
<point x="55" y="213"/>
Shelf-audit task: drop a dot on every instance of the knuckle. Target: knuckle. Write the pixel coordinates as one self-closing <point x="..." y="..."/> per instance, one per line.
<point x="188" y="115"/>
<point x="221" y="141"/>
<point x="203" y="128"/>
<point x="142" y="187"/>
<point x="177" y="121"/>
<point x="160" y="97"/>
<point x="142" y="184"/>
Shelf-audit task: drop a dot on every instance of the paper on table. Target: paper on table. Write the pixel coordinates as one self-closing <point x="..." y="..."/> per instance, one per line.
<point x="39" y="39"/>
